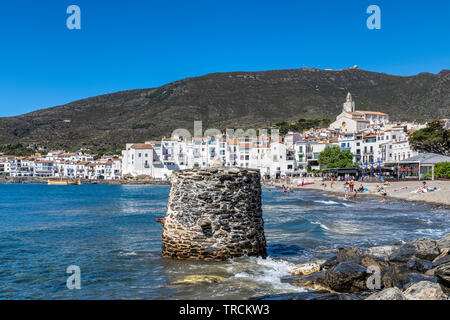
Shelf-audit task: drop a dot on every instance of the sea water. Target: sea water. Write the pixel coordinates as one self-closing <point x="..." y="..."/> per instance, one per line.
<point x="110" y="232"/>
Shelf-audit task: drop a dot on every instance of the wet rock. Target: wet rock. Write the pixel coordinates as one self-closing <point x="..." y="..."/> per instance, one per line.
<point x="350" y="254"/>
<point x="441" y="261"/>
<point x="444" y="243"/>
<point x="315" y="281"/>
<point x="443" y="273"/>
<point x="329" y="263"/>
<point x="368" y="261"/>
<point x="425" y="290"/>
<point x="382" y="252"/>
<point x="399" y="275"/>
<point x="419" y="265"/>
<point x="444" y="257"/>
<point x="422" y="248"/>
<point x="445" y="289"/>
<point x="309" y="296"/>
<point x="336" y="296"/>
<point x="387" y="294"/>
<point x="307" y="268"/>
<point x="346" y="277"/>
<point x="199" y="279"/>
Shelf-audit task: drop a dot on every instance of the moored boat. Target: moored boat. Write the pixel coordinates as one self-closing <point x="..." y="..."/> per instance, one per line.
<point x="63" y="182"/>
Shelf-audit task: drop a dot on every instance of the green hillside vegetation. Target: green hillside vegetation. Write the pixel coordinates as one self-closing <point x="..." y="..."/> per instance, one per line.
<point x="228" y="100"/>
<point x="16" y="149"/>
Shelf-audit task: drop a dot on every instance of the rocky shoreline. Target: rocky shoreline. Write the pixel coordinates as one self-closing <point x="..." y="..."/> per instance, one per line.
<point x="417" y="270"/>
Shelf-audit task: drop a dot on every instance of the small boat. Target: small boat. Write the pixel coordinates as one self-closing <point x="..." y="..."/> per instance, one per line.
<point x="63" y="182"/>
<point x="305" y="184"/>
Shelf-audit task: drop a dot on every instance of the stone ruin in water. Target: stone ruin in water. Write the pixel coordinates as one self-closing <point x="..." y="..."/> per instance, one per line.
<point x="214" y="214"/>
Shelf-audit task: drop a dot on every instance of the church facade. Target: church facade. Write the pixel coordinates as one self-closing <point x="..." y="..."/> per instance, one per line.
<point x="351" y="120"/>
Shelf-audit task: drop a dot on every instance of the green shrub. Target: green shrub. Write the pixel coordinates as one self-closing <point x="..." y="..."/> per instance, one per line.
<point x="442" y="170"/>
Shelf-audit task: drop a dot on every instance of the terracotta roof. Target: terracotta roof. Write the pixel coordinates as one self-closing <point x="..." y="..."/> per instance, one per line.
<point x="373" y="112"/>
<point x="356" y="113"/>
<point x="141" y="146"/>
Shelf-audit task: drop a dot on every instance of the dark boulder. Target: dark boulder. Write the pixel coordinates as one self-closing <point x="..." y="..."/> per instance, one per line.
<point x="443" y="273"/>
<point x="329" y="263"/>
<point x="336" y="296"/>
<point x="368" y="260"/>
<point x="346" y="277"/>
<point x="441" y="261"/>
<point x="309" y="296"/>
<point x="400" y="276"/>
<point x="423" y="248"/>
<point x="419" y="265"/>
<point x="403" y="254"/>
<point x="350" y="254"/>
<point x="444" y="257"/>
<point x="444" y="243"/>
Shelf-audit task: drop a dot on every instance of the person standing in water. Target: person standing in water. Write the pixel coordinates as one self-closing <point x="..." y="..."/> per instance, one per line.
<point x="346" y="187"/>
<point x="352" y="184"/>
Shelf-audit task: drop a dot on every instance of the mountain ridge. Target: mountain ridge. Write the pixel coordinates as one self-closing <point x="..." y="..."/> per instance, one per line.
<point x="227" y="99"/>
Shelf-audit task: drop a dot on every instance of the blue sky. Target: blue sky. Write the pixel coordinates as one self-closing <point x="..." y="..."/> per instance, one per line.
<point x="140" y="44"/>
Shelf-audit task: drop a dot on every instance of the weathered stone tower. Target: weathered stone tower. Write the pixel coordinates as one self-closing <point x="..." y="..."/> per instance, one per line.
<point x="214" y="214"/>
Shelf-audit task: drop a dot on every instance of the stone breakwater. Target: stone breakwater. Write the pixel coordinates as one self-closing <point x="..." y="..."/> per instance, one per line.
<point x="214" y="214"/>
<point x="418" y="270"/>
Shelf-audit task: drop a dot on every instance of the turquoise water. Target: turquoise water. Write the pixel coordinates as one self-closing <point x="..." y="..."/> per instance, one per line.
<point x="110" y="233"/>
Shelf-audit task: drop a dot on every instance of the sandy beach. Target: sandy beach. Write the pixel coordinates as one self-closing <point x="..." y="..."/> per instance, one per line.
<point x="404" y="190"/>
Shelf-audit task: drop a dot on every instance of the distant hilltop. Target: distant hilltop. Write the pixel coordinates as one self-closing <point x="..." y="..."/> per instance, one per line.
<point x="328" y="69"/>
<point x="228" y="100"/>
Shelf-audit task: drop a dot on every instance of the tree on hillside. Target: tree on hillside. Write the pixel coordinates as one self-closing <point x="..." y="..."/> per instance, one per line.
<point x="16" y="149"/>
<point x="434" y="138"/>
<point x="333" y="157"/>
<point x="301" y="125"/>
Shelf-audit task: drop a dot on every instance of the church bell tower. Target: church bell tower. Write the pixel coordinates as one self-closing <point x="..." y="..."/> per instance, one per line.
<point x="349" y="105"/>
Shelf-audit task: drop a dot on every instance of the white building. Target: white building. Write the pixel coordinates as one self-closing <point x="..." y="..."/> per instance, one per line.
<point x="137" y="159"/>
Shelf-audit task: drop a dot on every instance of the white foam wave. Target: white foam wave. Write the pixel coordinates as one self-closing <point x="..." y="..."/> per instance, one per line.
<point x="321" y="225"/>
<point x="326" y="201"/>
<point x="268" y="273"/>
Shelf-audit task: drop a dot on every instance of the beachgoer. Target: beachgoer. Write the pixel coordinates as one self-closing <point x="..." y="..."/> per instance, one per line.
<point x="361" y="188"/>
<point x="352" y="184"/>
